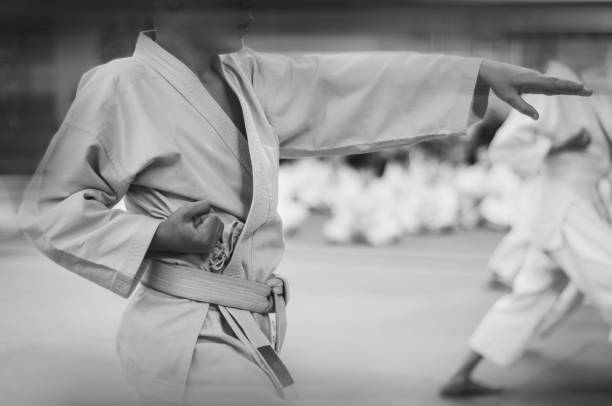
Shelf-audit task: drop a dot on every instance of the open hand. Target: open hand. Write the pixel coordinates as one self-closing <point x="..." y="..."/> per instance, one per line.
<point x="508" y="82"/>
<point x="192" y="229"/>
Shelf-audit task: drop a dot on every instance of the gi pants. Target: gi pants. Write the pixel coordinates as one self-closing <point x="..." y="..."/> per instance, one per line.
<point x="585" y="256"/>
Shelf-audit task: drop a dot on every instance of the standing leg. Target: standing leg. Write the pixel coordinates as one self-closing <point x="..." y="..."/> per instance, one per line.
<point x="461" y="383"/>
<point x="569" y="300"/>
<point x="586" y="255"/>
<point x="505" y="331"/>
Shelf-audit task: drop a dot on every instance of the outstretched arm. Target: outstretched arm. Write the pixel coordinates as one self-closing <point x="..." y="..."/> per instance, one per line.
<point x="323" y="104"/>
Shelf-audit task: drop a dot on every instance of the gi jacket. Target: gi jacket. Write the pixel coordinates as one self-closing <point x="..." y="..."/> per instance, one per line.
<point x="144" y="128"/>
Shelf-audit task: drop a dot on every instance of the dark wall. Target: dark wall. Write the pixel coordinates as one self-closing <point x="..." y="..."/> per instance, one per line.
<point x="46" y="45"/>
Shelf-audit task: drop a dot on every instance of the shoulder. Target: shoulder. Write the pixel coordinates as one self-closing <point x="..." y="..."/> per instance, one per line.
<point x="104" y="89"/>
<point x="114" y="77"/>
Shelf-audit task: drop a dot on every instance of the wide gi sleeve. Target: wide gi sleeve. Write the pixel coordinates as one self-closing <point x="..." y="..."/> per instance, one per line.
<point x="67" y="210"/>
<point x="323" y="104"/>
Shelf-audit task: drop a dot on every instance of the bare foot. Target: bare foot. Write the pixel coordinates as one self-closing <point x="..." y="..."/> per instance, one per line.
<point x="466" y="388"/>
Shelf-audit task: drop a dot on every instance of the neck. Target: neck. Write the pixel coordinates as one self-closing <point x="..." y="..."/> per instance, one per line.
<point x="197" y="57"/>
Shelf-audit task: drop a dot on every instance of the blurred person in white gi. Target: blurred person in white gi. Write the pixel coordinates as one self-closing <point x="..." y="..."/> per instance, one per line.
<point x="189" y="131"/>
<point x="524" y="152"/>
<point x="569" y="252"/>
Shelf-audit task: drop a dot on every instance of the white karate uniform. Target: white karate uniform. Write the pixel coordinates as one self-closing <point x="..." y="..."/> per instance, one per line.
<point x="525" y="152"/>
<point x="145" y="128"/>
<point x="567" y="228"/>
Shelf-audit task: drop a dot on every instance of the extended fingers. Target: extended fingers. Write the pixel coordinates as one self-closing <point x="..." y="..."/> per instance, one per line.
<point x="518" y="103"/>
<point x="548" y="85"/>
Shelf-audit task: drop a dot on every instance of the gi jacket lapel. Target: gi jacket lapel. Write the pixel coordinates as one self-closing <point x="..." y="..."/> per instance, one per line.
<point x="179" y="76"/>
<point x="262" y="191"/>
<point x="189" y="86"/>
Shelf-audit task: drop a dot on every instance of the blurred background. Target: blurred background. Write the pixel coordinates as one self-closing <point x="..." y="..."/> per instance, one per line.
<point x="434" y="212"/>
<point x="45" y="48"/>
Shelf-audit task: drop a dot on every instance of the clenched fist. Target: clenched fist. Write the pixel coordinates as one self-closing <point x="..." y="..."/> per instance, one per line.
<point x="192" y="229"/>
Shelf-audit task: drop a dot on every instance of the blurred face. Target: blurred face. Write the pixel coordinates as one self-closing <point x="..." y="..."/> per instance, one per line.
<point x="218" y="25"/>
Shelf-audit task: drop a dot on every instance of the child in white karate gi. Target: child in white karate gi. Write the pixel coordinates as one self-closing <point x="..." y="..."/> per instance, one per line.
<point x="189" y="131"/>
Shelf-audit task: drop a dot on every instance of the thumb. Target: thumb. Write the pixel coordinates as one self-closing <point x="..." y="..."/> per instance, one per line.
<point x="191" y="210"/>
<point x="517" y="102"/>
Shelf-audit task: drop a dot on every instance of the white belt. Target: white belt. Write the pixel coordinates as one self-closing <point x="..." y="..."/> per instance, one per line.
<point x="236" y="299"/>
